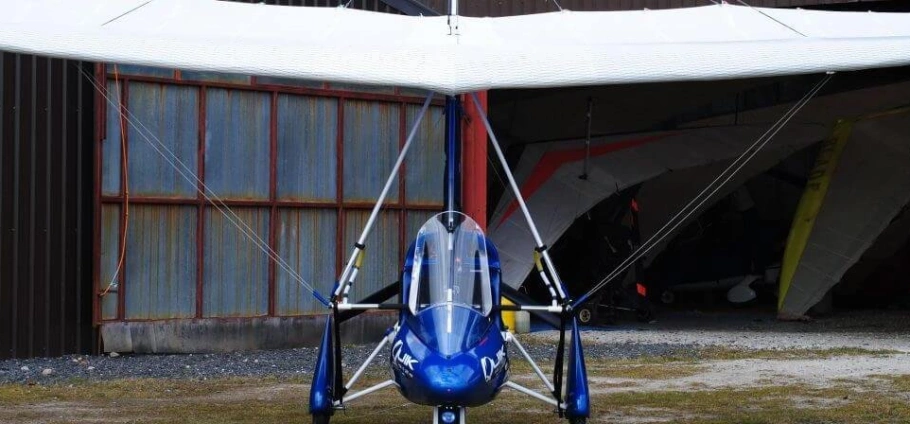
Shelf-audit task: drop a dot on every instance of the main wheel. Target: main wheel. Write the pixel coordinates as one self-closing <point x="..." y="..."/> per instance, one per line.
<point x="586" y="314"/>
<point x="321" y="418"/>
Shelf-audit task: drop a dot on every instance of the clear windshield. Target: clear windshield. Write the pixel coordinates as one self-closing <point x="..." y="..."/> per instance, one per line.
<point x="450" y="266"/>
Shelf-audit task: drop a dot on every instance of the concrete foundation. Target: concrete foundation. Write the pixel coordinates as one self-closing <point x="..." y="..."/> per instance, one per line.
<point x="236" y="334"/>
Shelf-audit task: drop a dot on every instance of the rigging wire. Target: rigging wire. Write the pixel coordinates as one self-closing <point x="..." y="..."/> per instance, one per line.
<point x="770" y="17"/>
<point x="212" y="198"/>
<point x="690" y="208"/>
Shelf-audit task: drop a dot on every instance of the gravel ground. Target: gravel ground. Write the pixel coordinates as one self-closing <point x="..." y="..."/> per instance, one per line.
<point x="871" y="330"/>
<point x="280" y="363"/>
<point x="673" y="335"/>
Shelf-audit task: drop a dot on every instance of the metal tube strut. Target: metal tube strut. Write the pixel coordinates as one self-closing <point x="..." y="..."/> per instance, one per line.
<point x="529" y="392"/>
<point x="521" y="202"/>
<point x="536" y="368"/>
<point x="359" y="246"/>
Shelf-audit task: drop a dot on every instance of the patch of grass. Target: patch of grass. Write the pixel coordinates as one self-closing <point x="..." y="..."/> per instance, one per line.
<point x="637" y="371"/>
<point x="787" y="405"/>
<point x="722" y="353"/>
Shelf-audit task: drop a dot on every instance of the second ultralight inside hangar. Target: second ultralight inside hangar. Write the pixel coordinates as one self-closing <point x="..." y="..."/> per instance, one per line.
<point x="831" y="183"/>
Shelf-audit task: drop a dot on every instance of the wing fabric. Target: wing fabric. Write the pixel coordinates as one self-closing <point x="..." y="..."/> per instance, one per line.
<point x="542" y="50"/>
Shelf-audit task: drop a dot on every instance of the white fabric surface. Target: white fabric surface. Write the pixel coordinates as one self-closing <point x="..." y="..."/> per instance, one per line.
<point x="543" y="50"/>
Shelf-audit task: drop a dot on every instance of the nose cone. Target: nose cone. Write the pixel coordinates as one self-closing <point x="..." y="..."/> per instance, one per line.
<point x="454" y="379"/>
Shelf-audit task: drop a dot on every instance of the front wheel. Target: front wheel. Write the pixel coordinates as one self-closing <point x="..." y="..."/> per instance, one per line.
<point x="321" y="418"/>
<point x="578" y="420"/>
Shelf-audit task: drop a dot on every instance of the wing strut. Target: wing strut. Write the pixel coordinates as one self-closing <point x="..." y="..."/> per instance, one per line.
<point x="346" y="280"/>
<point x="540" y="247"/>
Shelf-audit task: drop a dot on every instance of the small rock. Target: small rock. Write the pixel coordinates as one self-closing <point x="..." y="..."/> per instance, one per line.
<point x="114" y="355"/>
<point x="24" y="368"/>
<point x="91" y="368"/>
<point x="47" y="371"/>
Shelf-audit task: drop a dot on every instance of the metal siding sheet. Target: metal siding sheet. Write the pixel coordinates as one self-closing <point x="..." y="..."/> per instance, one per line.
<point x="170" y="121"/>
<point x="290" y="82"/>
<point x="161" y="262"/>
<point x="110" y="254"/>
<point x="44" y="292"/>
<point x="110" y="160"/>
<point x="142" y="71"/>
<point x="370" y="149"/>
<point x="214" y="77"/>
<point x="307" y="132"/>
<point x="306" y="241"/>
<point x="362" y="88"/>
<point x="237" y="143"/>
<point x="235" y="273"/>
<point x="381" y="265"/>
<point x="416" y="219"/>
<point x="426" y="160"/>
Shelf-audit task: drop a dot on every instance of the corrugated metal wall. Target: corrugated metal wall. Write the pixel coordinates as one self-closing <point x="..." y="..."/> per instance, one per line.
<point x="299" y="164"/>
<point x="45" y="207"/>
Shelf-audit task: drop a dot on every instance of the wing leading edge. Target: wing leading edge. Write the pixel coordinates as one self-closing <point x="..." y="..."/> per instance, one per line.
<point x="543" y="50"/>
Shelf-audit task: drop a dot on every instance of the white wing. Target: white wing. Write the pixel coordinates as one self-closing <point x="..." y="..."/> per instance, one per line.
<point x="544" y="50"/>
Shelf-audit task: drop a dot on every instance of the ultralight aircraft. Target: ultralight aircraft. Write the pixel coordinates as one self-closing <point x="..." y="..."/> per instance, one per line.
<point x="449" y="348"/>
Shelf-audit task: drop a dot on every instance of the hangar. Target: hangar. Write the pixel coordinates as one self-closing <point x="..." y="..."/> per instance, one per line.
<point x="106" y="246"/>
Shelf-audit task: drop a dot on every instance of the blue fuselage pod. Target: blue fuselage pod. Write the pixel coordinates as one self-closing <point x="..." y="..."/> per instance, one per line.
<point x="469" y="373"/>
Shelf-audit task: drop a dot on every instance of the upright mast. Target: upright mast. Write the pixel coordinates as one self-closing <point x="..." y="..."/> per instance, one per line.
<point x="453" y="134"/>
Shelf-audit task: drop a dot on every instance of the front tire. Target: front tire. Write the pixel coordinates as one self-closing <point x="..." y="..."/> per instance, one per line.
<point x="578" y="420"/>
<point x="321" y="418"/>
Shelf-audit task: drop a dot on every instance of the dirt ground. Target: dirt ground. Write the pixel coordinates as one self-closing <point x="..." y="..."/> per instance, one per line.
<point x="846" y="370"/>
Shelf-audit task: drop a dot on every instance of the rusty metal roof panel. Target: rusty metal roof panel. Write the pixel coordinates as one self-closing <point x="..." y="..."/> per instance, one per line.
<point x="381" y="265"/>
<point x="235" y="273"/>
<point x="170" y="118"/>
<point x="307" y="134"/>
<point x="160" y="267"/>
<point x="237" y="143"/>
<point x="306" y="241"/>
<point x="371" y="139"/>
<point x="426" y="160"/>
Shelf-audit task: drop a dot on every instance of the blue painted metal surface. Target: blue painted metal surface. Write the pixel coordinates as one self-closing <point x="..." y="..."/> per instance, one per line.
<point x="371" y="137"/>
<point x="380" y="267"/>
<point x="578" y="400"/>
<point x="160" y="271"/>
<point x="473" y="375"/>
<point x="170" y="116"/>
<point x="321" y="393"/>
<point x="237" y="143"/>
<point x="452" y="142"/>
<point x="306" y="241"/>
<point x="307" y="131"/>
<point x="110" y="146"/>
<point x="110" y="252"/>
<point x="235" y="281"/>
<point x="426" y="159"/>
